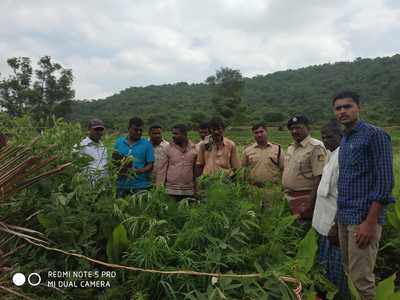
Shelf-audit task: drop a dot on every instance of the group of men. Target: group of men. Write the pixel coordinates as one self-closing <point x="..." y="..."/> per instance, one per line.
<point x="341" y="185"/>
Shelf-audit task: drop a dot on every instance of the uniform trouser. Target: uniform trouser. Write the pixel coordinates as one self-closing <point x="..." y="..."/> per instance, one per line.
<point x="359" y="263"/>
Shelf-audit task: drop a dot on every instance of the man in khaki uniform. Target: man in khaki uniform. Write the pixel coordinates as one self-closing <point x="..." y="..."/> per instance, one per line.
<point x="156" y="139"/>
<point x="264" y="159"/>
<point x="304" y="163"/>
<point x="217" y="152"/>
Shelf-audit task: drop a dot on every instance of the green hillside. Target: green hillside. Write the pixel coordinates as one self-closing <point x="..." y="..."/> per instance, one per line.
<point x="273" y="97"/>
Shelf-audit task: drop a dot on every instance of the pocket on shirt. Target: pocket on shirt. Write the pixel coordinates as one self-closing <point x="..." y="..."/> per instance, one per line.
<point x="359" y="157"/>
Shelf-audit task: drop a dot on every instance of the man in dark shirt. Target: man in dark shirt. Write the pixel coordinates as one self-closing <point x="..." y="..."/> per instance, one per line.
<point x="364" y="189"/>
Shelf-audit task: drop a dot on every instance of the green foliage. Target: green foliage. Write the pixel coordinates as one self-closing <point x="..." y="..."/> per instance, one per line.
<point x="227" y="85"/>
<point x="117" y="243"/>
<point x="307" y="90"/>
<point x="393" y="215"/>
<point x="274" y="117"/>
<point x="307" y="251"/>
<point x="49" y="95"/>
<point x="353" y="291"/>
<point x="385" y="289"/>
<point x="227" y="230"/>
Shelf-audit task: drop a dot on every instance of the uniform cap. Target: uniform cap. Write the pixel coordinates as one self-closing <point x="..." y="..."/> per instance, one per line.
<point x="96" y="123"/>
<point x="300" y="119"/>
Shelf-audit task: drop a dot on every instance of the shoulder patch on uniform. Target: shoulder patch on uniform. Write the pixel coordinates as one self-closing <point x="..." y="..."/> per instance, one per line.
<point x="275" y="144"/>
<point x="316" y="142"/>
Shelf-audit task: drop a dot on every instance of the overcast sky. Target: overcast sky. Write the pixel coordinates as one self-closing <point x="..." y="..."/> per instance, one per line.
<point x="113" y="45"/>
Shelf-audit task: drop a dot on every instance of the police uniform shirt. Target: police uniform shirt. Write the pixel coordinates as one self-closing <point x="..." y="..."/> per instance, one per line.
<point x="265" y="162"/>
<point x="303" y="162"/>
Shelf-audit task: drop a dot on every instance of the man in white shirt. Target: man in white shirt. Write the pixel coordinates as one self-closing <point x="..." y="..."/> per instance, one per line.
<point x="94" y="148"/>
<point x="325" y="211"/>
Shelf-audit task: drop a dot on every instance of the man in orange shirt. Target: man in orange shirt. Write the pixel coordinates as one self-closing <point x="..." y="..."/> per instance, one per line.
<point x="177" y="165"/>
<point x="216" y="152"/>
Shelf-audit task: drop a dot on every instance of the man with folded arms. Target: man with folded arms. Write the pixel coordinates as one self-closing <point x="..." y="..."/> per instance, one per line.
<point x="264" y="159"/>
<point x="330" y="255"/>
<point x="304" y="162"/>
<point x="177" y="165"/>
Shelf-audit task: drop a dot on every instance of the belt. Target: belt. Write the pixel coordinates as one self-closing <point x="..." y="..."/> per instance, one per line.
<point x="299" y="193"/>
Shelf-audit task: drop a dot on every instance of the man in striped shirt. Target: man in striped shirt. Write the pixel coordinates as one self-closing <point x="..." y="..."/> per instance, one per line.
<point x="364" y="189"/>
<point x="177" y="165"/>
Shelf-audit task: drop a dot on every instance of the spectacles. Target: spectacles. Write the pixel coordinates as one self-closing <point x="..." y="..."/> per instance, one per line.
<point x="344" y="106"/>
<point x="98" y="129"/>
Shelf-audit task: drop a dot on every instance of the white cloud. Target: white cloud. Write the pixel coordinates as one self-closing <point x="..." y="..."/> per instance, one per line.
<point x="112" y="45"/>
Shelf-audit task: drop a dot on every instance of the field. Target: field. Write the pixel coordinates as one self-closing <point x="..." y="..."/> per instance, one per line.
<point x="228" y="232"/>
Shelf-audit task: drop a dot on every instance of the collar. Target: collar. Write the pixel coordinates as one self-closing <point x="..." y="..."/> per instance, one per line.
<point x="225" y="141"/>
<point x="336" y="150"/>
<point x="137" y="142"/>
<point x="189" y="146"/>
<point x="304" y="142"/>
<point x="162" y="143"/>
<point x="88" y="141"/>
<point x="358" y="127"/>
<point x="255" y="145"/>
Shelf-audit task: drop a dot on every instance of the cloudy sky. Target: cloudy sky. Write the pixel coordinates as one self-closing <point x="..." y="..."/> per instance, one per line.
<point x="112" y="45"/>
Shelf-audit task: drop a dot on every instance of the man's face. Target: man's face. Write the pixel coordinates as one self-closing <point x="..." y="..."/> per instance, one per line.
<point x="96" y="133"/>
<point x="330" y="139"/>
<point x="178" y="137"/>
<point x="155" y="136"/>
<point x="346" y="111"/>
<point x="135" y="132"/>
<point x="260" y="135"/>
<point x="217" y="133"/>
<point x="203" y="132"/>
<point x="299" y="132"/>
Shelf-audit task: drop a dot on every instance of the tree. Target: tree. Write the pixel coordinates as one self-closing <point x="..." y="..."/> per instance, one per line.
<point x="394" y="101"/>
<point x="15" y="91"/>
<point x="227" y="86"/>
<point x="49" y="95"/>
<point x="273" y="117"/>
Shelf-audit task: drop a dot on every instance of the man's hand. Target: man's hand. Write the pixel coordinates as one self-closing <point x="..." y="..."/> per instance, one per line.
<point x="139" y="171"/>
<point x="365" y="233"/>
<point x="367" y="230"/>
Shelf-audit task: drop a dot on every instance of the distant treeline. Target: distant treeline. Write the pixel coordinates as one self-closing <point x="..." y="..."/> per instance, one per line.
<point x="272" y="98"/>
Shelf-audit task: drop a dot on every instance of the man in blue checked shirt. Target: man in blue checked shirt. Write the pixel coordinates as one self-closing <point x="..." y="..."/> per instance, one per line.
<point x="136" y="158"/>
<point x="364" y="189"/>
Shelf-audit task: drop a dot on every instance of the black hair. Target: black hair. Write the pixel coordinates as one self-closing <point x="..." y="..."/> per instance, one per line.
<point x="138" y="122"/>
<point x="204" y="125"/>
<point x="216" y="123"/>
<point x="155" y="126"/>
<point x="258" y="125"/>
<point x="181" y="127"/>
<point x="335" y="127"/>
<point x="347" y="94"/>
